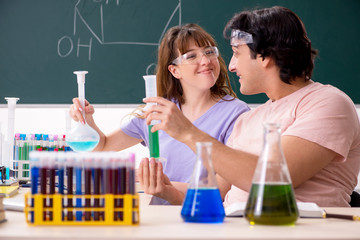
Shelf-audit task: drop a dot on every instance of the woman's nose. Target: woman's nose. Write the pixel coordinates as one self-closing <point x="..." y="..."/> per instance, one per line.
<point x="204" y="59"/>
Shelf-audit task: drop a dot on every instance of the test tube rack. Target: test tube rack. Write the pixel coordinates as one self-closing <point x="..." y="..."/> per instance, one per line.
<point x="69" y="188"/>
<point x="26" y="143"/>
<point x="106" y="215"/>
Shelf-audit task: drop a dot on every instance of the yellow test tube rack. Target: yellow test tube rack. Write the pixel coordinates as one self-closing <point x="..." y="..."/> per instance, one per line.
<point x="40" y="215"/>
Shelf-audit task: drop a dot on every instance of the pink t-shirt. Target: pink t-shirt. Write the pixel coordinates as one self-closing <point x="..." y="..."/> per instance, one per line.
<point x="319" y="113"/>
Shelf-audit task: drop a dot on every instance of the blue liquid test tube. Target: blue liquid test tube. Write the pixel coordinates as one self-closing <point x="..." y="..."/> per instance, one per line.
<point x="35" y="164"/>
<point x="61" y="170"/>
<point x="78" y="171"/>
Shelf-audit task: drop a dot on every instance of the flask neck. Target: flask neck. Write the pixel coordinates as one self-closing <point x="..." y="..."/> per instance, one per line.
<point x="272" y="143"/>
<point x="271" y="166"/>
<point x="203" y="174"/>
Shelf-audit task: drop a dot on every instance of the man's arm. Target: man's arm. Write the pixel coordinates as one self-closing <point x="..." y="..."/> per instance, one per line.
<point x="304" y="158"/>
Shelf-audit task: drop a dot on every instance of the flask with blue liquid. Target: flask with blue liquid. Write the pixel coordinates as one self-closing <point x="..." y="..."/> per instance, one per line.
<point x="82" y="137"/>
<point x="203" y="203"/>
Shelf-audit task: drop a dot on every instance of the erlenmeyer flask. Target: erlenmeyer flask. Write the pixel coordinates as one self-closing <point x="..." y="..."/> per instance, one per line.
<point x="203" y="201"/>
<point x="271" y="200"/>
<point x="82" y="138"/>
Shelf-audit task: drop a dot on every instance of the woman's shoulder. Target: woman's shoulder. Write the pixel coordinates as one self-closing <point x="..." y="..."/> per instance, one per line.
<point x="233" y="102"/>
<point x="230" y="107"/>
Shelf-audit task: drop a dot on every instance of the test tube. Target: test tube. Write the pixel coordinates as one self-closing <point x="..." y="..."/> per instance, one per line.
<point x="97" y="177"/>
<point x="61" y="166"/>
<point x="18" y="144"/>
<point x="78" y="172"/>
<point x="45" y="142"/>
<point x="87" y="169"/>
<point x="109" y="182"/>
<point x="43" y="180"/>
<point x="131" y="162"/>
<point x="70" y="174"/>
<point x="37" y="141"/>
<point x="27" y="144"/>
<point x="24" y="155"/>
<point x="115" y="162"/>
<point x="51" y="145"/>
<point x="35" y="164"/>
<point x="52" y="167"/>
<point x="150" y="86"/>
<point x="122" y="185"/>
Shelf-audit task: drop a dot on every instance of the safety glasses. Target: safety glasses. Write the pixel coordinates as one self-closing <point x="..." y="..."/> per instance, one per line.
<point x="194" y="57"/>
<point x="239" y="37"/>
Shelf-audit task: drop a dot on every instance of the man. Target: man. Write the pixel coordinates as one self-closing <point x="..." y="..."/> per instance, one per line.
<point x="320" y="127"/>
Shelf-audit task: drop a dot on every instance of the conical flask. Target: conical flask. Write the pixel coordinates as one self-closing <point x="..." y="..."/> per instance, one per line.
<point x="203" y="202"/>
<point x="271" y="200"/>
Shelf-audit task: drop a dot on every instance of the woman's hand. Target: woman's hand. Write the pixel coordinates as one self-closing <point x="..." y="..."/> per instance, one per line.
<point x="76" y="110"/>
<point x="153" y="181"/>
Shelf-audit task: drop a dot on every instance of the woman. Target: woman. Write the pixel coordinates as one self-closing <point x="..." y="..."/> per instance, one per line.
<point x="193" y="76"/>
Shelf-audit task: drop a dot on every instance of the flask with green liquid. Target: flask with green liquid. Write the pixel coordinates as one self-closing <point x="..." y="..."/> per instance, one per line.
<point x="271" y="200"/>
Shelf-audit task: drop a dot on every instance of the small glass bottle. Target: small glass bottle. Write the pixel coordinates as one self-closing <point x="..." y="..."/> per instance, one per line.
<point x="203" y="201"/>
<point x="271" y="200"/>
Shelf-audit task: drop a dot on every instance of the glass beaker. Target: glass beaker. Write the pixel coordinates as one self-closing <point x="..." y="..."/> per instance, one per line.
<point x="271" y="200"/>
<point x="203" y="202"/>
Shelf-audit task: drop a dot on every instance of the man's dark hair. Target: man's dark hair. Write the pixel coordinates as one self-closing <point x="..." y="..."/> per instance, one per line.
<point x="280" y="34"/>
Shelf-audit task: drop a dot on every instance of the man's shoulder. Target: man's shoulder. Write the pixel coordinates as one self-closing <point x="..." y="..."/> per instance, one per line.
<point x="326" y="94"/>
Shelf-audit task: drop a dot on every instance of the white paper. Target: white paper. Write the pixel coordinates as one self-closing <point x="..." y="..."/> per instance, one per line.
<point x="306" y="210"/>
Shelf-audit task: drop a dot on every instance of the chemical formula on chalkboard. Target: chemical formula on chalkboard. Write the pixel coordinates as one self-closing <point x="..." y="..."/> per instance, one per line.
<point x="98" y="30"/>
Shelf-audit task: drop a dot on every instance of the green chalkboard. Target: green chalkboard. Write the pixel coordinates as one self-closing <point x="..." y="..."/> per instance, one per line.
<point x="43" y="41"/>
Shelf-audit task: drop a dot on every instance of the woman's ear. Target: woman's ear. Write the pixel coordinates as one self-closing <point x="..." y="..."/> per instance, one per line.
<point x="174" y="70"/>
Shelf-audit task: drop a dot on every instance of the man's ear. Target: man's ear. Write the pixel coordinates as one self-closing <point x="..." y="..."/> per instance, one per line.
<point x="174" y="71"/>
<point x="265" y="61"/>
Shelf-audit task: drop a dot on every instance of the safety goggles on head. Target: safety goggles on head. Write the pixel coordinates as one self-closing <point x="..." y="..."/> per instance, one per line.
<point x="239" y="37"/>
<point x="195" y="56"/>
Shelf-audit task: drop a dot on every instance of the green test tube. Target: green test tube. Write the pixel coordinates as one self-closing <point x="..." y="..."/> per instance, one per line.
<point x="151" y="91"/>
<point x="154" y="143"/>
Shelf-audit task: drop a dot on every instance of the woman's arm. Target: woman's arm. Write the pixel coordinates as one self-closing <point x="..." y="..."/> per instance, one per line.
<point x="116" y="141"/>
